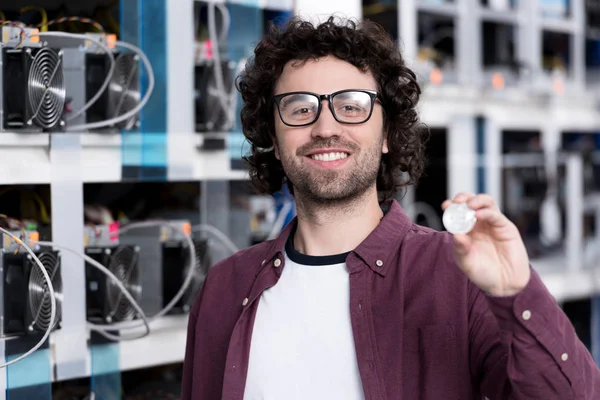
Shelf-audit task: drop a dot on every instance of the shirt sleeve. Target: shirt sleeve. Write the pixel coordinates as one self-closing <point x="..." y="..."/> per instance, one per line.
<point x="188" y="361"/>
<point x="525" y="347"/>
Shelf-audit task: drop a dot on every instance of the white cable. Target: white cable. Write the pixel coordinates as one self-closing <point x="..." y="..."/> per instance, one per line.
<point x="226" y="99"/>
<point x="226" y="21"/>
<point x="111" y="69"/>
<point x="117" y="281"/>
<point x="52" y="300"/>
<point x="131" y="113"/>
<point x="186" y="283"/>
<point x="191" y="271"/>
<point x="227" y="242"/>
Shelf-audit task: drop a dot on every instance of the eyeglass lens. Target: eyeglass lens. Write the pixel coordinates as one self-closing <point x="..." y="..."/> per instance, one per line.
<point x="351" y="107"/>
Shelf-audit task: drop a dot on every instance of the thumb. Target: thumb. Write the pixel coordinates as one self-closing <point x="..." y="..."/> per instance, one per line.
<point x="462" y="244"/>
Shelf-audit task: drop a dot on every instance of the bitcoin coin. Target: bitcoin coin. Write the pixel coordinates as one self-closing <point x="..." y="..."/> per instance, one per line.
<point x="459" y="218"/>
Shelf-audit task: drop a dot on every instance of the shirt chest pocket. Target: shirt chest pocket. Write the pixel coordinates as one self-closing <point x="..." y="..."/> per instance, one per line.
<point x="431" y="363"/>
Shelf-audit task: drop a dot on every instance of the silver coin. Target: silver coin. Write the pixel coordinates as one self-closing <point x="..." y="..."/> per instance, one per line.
<point x="459" y="218"/>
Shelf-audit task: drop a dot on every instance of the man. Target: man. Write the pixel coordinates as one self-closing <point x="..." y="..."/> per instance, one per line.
<point x="353" y="300"/>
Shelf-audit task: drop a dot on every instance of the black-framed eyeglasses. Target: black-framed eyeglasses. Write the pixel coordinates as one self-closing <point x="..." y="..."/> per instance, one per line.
<point x="349" y="106"/>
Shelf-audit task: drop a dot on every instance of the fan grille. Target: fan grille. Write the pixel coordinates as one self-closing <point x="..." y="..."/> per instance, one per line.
<point x="124" y="88"/>
<point x="124" y="264"/>
<point x="203" y="263"/>
<point x="40" y="305"/>
<point x="46" y="88"/>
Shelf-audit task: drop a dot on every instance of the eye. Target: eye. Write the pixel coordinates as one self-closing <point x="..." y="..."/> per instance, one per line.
<point x="303" y="110"/>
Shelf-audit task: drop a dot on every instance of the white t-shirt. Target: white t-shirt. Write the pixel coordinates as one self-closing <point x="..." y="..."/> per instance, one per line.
<point x="302" y="343"/>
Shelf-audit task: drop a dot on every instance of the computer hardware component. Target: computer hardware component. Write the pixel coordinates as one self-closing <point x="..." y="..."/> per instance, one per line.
<point x="32" y="95"/>
<point x="25" y="304"/>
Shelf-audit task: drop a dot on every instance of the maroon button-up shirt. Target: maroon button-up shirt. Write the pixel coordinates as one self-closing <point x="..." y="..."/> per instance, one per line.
<point x="421" y="329"/>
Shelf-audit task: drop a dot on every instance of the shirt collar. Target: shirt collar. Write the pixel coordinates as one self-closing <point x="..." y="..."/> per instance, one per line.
<point x="377" y="250"/>
<point x="381" y="246"/>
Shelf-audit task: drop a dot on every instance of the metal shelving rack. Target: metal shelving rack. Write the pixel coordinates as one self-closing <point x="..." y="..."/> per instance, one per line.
<point x="67" y="161"/>
<point x="529" y="75"/>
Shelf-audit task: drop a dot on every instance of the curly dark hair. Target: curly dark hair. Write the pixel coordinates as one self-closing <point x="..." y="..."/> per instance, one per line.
<point x="367" y="46"/>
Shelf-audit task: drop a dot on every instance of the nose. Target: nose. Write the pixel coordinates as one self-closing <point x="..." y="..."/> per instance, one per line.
<point x="326" y="125"/>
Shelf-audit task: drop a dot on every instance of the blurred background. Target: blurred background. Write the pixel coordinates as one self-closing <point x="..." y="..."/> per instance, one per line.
<point x="121" y="164"/>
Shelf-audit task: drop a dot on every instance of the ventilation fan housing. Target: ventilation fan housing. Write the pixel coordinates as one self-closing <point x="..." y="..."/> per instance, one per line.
<point x="123" y="92"/>
<point x="26" y="299"/>
<point x="176" y="266"/>
<point x="211" y="117"/>
<point x="105" y="301"/>
<point x="33" y="92"/>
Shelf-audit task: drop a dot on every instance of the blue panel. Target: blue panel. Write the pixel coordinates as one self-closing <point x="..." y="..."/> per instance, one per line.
<point x="31" y="372"/>
<point x="245" y="33"/>
<point x="154" y="149"/>
<point x="277" y="17"/>
<point x="248" y="3"/>
<point x="106" y="373"/>
<point x="104" y="358"/>
<point x="143" y="23"/>
<point x="281" y="198"/>
<point x="131" y="149"/>
<point x="480" y="143"/>
<point x="153" y="32"/>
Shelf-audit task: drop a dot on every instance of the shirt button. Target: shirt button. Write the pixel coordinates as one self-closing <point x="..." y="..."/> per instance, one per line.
<point x="564" y="357"/>
<point x="526" y="315"/>
<point x="245" y="301"/>
<point x="277" y="262"/>
<point x="379" y="263"/>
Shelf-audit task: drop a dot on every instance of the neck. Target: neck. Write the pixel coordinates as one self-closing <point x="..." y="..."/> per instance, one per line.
<point x="336" y="228"/>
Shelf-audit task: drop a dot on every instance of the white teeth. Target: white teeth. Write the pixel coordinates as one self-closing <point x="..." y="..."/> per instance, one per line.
<point x="329" y="156"/>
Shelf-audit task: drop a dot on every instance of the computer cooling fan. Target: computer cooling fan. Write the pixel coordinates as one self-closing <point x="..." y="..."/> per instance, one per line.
<point x="203" y="264"/>
<point x="34" y="90"/>
<point x="175" y="268"/>
<point x="124" y="89"/>
<point x="105" y="301"/>
<point x="27" y="305"/>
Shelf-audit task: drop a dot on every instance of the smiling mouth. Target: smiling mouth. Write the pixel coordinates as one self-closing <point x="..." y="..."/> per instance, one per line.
<point x="334" y="156"/>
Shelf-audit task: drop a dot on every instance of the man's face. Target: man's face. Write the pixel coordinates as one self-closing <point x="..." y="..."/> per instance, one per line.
<point x="329" y="161"/>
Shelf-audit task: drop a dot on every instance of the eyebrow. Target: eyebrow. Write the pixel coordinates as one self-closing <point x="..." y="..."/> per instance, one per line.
<point x="293" y="97"/>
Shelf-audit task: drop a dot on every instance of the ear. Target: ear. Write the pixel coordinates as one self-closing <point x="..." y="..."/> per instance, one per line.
<point x="384" y="147"/>
<point x="276" y="150"/>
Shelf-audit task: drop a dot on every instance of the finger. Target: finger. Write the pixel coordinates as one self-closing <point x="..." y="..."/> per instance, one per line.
<point x="463" y="197"/>
<point x="491" y="216"/>
<point x="481" y="201"/>
<point x="445" y="204"/>
<point x="462" y="244"/>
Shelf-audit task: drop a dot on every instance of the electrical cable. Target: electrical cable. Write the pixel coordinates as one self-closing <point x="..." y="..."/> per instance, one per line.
<point x="83" y="20"/>
<point x="136" y="109"/>
<point x="227" y="242"/>
<point x="226" y="99"/>
<point x="53" y="310"/>
<point x="188" y="279"/>
<point x="145" y="321"/>
<point x="108" y="78"/>
<point x="119" y="284"/>
<point x="44" y="15"/>
<point x="103" y="329"/>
